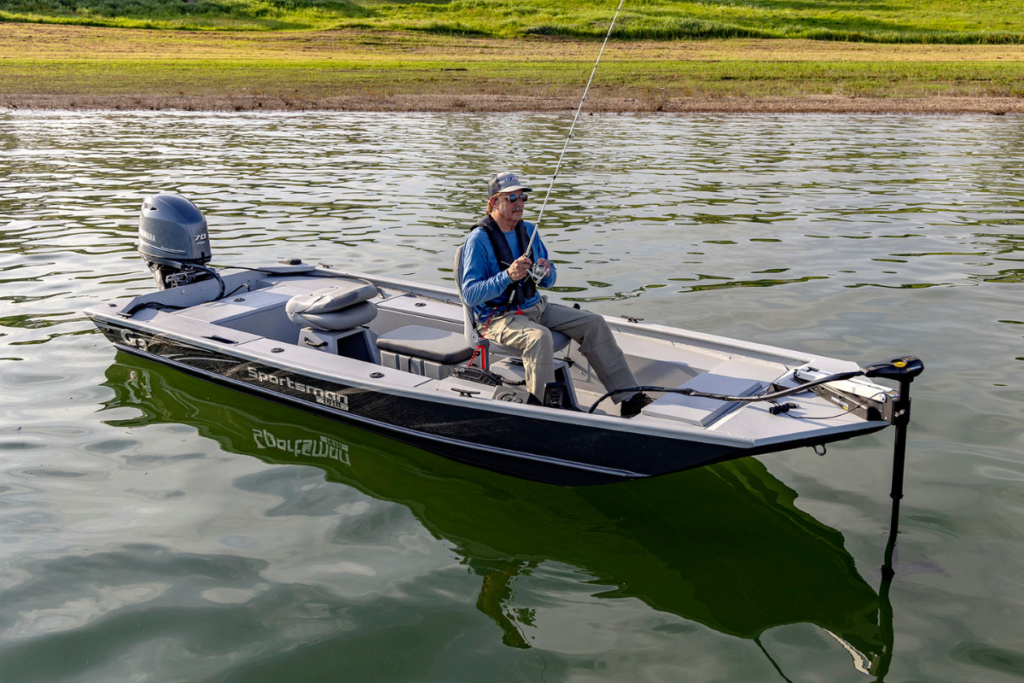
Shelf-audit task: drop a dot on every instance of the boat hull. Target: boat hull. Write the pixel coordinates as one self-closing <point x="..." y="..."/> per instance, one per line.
<point x="548" y="450"/>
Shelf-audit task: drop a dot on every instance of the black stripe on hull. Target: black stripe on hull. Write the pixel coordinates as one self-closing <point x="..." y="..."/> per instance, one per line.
<point x="561" y="453"/>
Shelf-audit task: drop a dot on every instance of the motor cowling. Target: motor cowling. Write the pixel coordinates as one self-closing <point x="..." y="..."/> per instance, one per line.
<point x="173" y="240"/>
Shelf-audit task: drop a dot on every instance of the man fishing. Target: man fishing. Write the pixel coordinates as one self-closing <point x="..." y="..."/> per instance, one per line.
<point x="497" y="284"/>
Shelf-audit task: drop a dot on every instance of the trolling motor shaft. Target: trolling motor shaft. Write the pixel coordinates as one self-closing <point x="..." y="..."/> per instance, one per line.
<point x="903" y="370"/>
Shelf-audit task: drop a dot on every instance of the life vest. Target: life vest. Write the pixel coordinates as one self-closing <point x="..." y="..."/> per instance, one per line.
<point x="517" y="293"/>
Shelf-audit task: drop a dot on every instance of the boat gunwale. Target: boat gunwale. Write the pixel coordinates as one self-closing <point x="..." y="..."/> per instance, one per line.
<point x="676" y="431"/>
<point x="113" y="316"/>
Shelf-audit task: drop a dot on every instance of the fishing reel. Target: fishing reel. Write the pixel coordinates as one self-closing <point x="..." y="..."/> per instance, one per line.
<point x="538" y="272"/>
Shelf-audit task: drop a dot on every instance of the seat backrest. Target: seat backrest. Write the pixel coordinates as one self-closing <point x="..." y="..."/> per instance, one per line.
<point x="342" y="305"/>
<point x="468" y="324"/>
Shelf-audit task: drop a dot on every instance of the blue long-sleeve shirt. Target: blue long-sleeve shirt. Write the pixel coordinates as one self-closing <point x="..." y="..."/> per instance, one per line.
<point x="483" y="278"/>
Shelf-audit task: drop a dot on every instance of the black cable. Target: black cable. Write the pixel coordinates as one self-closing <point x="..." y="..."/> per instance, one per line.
<point x="832" y="417"/>
<point x="135" y="309"/>
<point x="149" y="304"/>
<point x="380" y="290"/>
<point x="214" y="273"/>
<point x="258" y="270"/>
<point x="740" y="399"/>
<point x="244" y="284"/>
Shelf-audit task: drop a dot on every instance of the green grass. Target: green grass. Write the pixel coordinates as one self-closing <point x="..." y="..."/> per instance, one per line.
<point x="883" y="21"/>
<point x="186" y="14"/>
<point x="646" y="81"/>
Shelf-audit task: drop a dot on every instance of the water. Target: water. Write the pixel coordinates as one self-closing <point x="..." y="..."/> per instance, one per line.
<point x="153" y="527"/>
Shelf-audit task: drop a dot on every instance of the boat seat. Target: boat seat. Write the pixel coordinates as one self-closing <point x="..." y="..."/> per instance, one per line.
<point x="340" y="306"/>
<point x="423" y="350"/>
<point x="472" y="336"/>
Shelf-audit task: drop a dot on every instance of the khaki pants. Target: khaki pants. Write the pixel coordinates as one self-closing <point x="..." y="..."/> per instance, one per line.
<point x="531" y="333"/>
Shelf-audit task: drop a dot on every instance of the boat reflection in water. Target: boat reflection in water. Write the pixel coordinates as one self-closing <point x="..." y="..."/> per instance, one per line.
<point x="723" y="545"/>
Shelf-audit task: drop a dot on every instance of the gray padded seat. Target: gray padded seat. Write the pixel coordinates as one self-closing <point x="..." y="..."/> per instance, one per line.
<point x="558" y="339"/>
<point x="340" y="306"/>
<point x="428" y="343"/>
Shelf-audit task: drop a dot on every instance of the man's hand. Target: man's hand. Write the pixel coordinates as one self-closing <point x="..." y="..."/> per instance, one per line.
<point x="520" y="268"/>
<point x="545" y="266"/>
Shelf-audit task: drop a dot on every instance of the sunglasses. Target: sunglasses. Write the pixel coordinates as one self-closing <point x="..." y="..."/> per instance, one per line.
<point x="513" y="198"/>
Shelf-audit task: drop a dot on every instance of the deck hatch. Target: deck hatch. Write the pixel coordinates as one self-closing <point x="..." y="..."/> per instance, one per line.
<point x="735" y="378"/>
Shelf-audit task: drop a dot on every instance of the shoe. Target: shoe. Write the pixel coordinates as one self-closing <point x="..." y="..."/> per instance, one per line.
<point x="632" y="406"/>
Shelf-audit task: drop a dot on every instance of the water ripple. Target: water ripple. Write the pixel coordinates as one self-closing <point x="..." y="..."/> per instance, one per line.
<point x="150" y="523"/>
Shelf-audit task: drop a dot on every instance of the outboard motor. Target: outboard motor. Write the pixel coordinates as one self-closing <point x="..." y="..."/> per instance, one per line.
<point x="174" y="241"/>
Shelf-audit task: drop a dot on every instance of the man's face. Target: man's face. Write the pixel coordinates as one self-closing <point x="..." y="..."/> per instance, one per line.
<point x="507" y="210"/>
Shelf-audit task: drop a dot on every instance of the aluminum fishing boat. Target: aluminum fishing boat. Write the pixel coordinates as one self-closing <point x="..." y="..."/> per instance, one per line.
<point x="389" y="355"/>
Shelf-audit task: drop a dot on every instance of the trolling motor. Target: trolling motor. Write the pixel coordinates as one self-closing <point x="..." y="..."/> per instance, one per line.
<point x="902" y="370"/>
<point x="895" y="411"/>
<point x="174" y="241"/>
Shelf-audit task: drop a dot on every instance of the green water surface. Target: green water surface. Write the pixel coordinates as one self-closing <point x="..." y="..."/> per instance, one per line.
<point x="155" y="527"/>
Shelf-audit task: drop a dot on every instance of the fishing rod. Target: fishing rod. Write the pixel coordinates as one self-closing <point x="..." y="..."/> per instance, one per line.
<point x="536" y="273"/>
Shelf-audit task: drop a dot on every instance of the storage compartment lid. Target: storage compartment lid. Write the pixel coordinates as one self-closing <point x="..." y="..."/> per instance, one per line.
<point x="733" y="378"/>
<point x="427" y="343"/>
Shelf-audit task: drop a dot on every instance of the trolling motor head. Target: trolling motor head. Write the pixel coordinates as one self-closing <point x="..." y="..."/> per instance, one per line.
<point x="173" y="240"/>
<point x="903" y="369"/>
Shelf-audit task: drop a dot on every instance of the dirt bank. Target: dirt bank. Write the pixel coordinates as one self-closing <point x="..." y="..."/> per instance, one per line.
<point x="498" y="103"/>
<point x="75" y="67"/>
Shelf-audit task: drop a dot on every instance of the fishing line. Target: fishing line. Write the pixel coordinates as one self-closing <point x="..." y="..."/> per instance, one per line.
<point x="540" y="216"/>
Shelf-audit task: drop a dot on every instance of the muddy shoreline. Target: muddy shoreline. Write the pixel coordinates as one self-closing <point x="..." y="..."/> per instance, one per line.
<point x="74" y="67"/>
<point x="515" y="103"/>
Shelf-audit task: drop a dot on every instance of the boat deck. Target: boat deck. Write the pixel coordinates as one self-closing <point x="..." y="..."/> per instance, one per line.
<point x="256" y="326"/>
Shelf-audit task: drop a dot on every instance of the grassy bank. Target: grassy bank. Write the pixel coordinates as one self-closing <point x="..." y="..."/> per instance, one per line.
<point x="315" y="79"/>
<point x="121" y="68"/>
<point x="895" y="21"/>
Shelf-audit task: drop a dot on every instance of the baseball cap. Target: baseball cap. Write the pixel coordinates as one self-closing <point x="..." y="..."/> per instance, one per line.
<point x="505" y="182"/>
